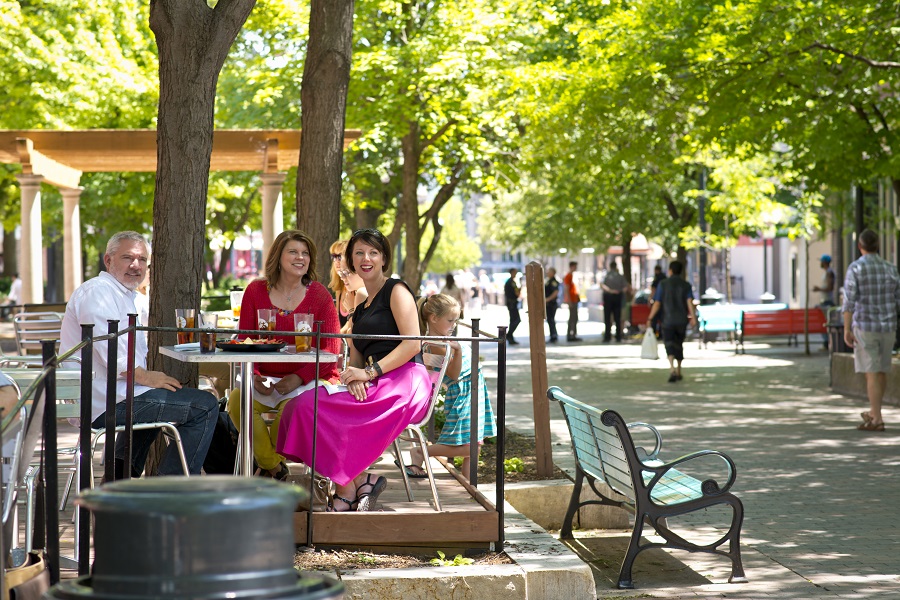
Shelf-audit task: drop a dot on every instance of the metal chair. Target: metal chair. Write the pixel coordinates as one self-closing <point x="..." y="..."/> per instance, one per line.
<point x="437" y="366"/>
<point x="31" y="328"/>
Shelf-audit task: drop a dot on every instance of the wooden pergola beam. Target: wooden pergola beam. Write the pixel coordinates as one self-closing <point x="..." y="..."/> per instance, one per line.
<point x="35" y="162"/>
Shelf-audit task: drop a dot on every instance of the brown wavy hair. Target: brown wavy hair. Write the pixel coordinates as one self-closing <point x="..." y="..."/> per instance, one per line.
<point x="273" y="260"/>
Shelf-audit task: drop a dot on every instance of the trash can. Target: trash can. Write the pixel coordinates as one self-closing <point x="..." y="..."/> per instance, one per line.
<point x="181" y="538"/>
<point x="711" y="296"/>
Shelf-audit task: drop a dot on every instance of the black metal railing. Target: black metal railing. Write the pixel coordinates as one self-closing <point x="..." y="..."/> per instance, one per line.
<point x="46" y="383"/>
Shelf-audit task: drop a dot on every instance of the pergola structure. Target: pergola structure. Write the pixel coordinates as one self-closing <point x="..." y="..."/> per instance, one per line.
<point x="60" y="157"/>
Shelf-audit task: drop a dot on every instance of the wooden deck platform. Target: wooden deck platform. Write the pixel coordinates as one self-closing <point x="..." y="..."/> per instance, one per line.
<point x="468" y="518"/>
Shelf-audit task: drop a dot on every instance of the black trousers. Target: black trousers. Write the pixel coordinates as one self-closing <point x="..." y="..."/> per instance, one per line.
<point x="673" y="338"/>
<point x="514" y="318"/>
<point x="551" y="319"/>
<point x="612" y="311"/>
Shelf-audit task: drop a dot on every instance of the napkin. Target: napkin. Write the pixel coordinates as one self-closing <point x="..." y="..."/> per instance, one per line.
<point x="188" y="346"/>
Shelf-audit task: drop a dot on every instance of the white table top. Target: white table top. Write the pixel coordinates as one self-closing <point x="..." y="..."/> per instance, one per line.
<point x="286" y="354"/>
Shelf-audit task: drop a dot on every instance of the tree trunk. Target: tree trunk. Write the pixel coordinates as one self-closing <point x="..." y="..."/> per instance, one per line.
<point x="626" y="257"/>
<point x="10" y="258"/>
<point x="323" y="98"/>
<point x="408" y="207"/>
<point x="193" y="42"/>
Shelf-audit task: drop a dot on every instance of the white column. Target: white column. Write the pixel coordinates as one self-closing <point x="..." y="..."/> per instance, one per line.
<point x="272" y="211"/>
<point x="31" y="266"/>
<point x="71" y="239"/>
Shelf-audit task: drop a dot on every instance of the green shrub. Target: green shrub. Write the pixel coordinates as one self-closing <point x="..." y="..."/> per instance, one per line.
<point x="457" y="561"/>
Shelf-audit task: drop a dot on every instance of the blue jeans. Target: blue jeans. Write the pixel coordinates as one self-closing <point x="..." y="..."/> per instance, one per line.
<point x="194" y="412"/>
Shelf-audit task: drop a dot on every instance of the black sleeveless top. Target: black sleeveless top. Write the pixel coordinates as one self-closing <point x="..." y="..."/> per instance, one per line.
<point x="377" y="319"/>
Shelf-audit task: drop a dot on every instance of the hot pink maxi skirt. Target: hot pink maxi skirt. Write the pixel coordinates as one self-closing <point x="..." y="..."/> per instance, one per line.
<point x="352" y="434"/>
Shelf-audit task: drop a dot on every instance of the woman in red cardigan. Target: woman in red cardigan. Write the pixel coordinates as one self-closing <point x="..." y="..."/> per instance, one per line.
<point x="289" y="287"/>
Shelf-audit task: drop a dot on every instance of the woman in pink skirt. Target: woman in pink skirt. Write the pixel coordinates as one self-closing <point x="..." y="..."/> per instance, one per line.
<point x="387" y="387"/>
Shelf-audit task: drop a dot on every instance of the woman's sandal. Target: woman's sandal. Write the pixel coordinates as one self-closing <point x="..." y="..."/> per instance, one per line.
<point x="366" y="500"/>
<point x="281" y="472"/>
<point x="865" y="416"/>
<point x="350" y="504"/>
<point x="870" y="426"/>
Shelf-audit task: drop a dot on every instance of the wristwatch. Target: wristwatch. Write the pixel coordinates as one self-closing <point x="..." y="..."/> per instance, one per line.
<point x="371" y="372"/>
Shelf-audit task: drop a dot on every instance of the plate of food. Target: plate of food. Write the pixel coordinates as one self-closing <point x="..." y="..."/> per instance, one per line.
<point x="250" y="345"/>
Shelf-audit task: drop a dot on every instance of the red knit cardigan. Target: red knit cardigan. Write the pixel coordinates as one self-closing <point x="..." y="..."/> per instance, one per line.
<point x="318" y="301"/>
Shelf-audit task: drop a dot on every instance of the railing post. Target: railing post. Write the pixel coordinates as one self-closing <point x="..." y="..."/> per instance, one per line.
<point x="317" y="327"/>
<point x="51" y="474"/>
<point x="501" y="428"/>
<point x="475" y="386"/>
<point x="112" y="360"/>
<point x="84" y="443"/>
<point x="129" y="394"/>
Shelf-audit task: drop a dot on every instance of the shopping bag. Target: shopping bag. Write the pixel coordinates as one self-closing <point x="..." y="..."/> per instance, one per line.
<point x="648" y="346"/>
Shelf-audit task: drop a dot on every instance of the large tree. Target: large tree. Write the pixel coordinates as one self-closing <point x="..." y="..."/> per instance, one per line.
<point x="326" y="76"/>
<point x="193" y="40"/>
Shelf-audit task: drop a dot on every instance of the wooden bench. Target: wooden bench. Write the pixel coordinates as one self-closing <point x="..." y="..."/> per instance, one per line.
<point x="715" y="319"/>
<point x="789" y="322"/>
<point x="652" y="489"/>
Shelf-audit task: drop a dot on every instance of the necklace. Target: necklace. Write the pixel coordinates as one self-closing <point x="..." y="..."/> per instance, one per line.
<point x="290" y="297"/>
<point x="371" y="297"/>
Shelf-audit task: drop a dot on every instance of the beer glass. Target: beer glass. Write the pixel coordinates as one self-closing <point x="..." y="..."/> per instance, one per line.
<point x="303" y="323"/>
<point x="266" y="319"/>
<point x="208" y="339"/>
<point x="184" y="318"/>
<point x="236" y="297"/>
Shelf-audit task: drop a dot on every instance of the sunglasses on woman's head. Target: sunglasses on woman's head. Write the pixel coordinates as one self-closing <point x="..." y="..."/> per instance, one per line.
<point x="337" y="256"/>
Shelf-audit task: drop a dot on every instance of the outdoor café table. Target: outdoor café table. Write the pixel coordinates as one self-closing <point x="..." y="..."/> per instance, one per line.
<point x="246" y="360"/>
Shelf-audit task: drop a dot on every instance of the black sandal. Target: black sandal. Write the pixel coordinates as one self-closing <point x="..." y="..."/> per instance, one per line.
<point x="281" y="472"/>
<point x="350" y="504"/>
<point x="366" y="500"/>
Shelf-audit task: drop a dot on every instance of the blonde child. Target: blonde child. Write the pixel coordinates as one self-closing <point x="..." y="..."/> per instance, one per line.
<point x="438" y="315"/>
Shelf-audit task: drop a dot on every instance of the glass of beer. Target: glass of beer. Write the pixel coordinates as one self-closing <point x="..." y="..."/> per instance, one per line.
<point x="208" y="339"/>
<point x="236" y="297"/>
<point x="184" y="318"/>
<point x="266" y="318"/>
<point x="303" y="323"/>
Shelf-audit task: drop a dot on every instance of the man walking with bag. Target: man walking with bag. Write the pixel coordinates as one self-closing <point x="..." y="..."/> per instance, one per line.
<point x="675" y="298"/>
<point x="871" y="302"/>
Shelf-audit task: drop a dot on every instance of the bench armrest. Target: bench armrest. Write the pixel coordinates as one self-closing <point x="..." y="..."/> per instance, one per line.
<point x="642" y="453"/>
<point x="710" y="487"/>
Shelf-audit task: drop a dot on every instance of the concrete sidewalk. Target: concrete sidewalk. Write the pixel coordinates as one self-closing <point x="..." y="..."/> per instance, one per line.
<point x="820" y="497"/>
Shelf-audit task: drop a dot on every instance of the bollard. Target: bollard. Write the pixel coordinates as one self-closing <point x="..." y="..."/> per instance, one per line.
<point x="189" y="538"/>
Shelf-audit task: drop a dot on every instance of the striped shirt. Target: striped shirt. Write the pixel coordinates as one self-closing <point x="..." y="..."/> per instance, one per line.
<point x="872" y="293"/>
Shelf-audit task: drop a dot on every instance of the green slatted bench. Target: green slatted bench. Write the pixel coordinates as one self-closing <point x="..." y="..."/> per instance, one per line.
<point x="651" y="489"/>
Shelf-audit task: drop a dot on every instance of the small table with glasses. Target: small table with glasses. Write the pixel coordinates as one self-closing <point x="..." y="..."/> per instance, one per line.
<point x="246" y="360"/>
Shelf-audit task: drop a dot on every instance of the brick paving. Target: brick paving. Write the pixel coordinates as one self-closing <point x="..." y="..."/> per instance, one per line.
<point x="820" y="497"/>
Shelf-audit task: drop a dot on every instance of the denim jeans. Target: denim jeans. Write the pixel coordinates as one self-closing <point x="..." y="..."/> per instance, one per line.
<point x="194" y="412"/>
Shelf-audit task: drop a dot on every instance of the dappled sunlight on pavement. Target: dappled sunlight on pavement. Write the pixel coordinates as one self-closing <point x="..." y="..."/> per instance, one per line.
<point x="820" y="497"/>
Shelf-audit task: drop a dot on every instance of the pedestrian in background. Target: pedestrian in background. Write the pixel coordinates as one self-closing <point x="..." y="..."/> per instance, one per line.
<point x="511" y="292"/>
<point x="551" y="298"/>
<point x="675" y="298"/>
<point x="826" y="289"/>
<point x="614" y="287"/>
<point x="871" y="302"/>
<point x="571" y="298"/>
<point x="658" y="276"/>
